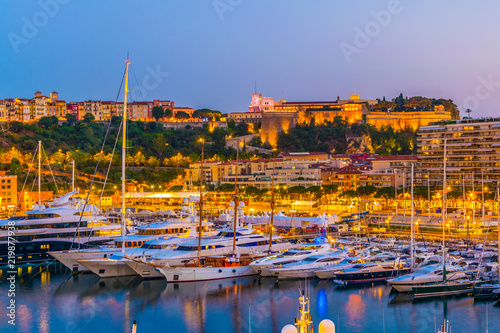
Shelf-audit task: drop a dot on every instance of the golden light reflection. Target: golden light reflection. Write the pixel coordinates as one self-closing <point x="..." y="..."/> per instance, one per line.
<point x="24" y="318"/>
<point x="45" y="277"/>
<point x="355" y="310"/>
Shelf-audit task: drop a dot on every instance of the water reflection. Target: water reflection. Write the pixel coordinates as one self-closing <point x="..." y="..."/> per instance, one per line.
<point x="50" y="300"/>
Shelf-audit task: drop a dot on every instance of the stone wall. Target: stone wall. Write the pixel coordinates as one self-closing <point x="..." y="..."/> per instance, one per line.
<point x="182" y="125"/>
<point x="274" y="123"/>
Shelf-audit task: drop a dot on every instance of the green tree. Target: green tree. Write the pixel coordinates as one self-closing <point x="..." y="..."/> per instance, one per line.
<point x="226" y="187"/>
<point x="45" y="122"/>
<point x="182" y="115"/>
<point x="88" y="118"/>
<point x="167" y="113"/>
<point x="349" y="194"/>
<point x="71" y="119"/>
<point x="158" y="112"/>
<point x="366" y="191"/>
<point x="385" y="193"/>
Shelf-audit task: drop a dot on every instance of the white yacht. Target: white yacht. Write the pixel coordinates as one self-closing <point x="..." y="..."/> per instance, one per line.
<point x="306" y="267"/>
<point x="425" y="275"/>
<point x="145" y="233"/>
<point x="214" y="268"/>
<point x="247" y="241"/>
<point x="113" y="264"/>
<point x="263" y="265"/>
<point x="329" y="271"/>
<point x="66" y="224"/>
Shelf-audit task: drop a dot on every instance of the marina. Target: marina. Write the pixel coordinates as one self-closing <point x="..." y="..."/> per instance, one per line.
<point x="236" y="166"/>
<point x="233" y="305"/>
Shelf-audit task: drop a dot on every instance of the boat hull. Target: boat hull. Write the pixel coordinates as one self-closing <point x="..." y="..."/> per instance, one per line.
<point x="144" y="270"/>
<point x="407" y="286"/>
<point x="70" y="258"/>
<point x="442" y="290"/>
<point x="190" y="274"/>
<point x="293" y="274"/>
<point x="362" y="277"/>
<point x="108" y="267"/>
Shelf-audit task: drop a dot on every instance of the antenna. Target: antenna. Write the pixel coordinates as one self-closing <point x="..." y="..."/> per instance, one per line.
<point x="255" y="86"/>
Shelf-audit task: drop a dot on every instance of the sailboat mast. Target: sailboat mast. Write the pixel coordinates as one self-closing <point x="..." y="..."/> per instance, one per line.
<point x="124" y="149"/>
<point x="444" y="196"/>
<point x="39" y="172"/>
<point x="236" y="197"/>
<point x="498" y="222"/>
<point x="272" y="211"/>
<point x="201" y="200"/>
<point x="411" y="221"/>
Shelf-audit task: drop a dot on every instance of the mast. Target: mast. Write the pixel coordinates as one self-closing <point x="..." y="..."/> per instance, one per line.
<point x="73" y="177"/>
<point x="272" y="211"/>
<point x="429" y="193"/>
<point x="124" y="149"/>
<point x="39" y="172"/>
<point x="236" y="198"/>
<point x="482" y="193"/>
<point x="411" y="221"/>
<point x="444" y="204"/>
<point x="201" y="200"/>
<point x="463" y="202"/>
<point x="498" y="221"/>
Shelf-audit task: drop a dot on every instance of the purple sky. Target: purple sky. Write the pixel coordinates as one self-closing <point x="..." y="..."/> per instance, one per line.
<point x="214" y="51"/>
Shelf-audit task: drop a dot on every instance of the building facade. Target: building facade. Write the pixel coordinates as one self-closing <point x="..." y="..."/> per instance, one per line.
<point x="472" y="153"/>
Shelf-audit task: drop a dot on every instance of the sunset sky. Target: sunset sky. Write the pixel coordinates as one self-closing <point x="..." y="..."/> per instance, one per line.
<point x="211" y="53"/>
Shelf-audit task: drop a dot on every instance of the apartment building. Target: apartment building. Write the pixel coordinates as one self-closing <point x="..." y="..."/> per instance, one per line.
<point x="3" y="111"/>
<point x="472" y="153"/>
<point x="258" y="173"/>
<point x="8" y="198"/>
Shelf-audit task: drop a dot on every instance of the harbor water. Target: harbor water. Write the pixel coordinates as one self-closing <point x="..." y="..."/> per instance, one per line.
<point x="50" y="299"/>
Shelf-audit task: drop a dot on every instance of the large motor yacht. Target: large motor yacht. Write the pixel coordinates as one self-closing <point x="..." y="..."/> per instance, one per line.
<point x="145" y="233"/>
<point x="306" y="267"/>
<point x="66" y="224"/>
<point x="263" y="265"/>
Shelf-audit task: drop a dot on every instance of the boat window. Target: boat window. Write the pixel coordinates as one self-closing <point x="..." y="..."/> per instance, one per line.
<point x="310" y="259"/>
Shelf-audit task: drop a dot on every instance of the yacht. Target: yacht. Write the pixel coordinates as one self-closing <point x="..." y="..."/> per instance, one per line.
<point x="424" y="275"/>
<point x="214" y="268"/>
<point x="247" y="242"/>
<point x="115" y="265"/>
<point x="444" y="288"/>
<point x="110" y="262"/>
<point x="145" y="233"/>
<point x="263" y="265"/>
<point x="328" y="272"/>
<point x="306" y="267"/>
<point x="370" y="272"/>
<point x="67" y="224"/>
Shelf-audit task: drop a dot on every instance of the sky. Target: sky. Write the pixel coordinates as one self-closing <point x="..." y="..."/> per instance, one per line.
<point x="210" y="53"/>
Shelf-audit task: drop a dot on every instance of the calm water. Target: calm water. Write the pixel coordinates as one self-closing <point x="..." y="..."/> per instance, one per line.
<point x="53" y="301"/>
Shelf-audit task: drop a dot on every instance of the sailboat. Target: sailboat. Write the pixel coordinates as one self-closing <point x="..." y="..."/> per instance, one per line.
<point x="444" y="287"/>
<point x="114" y="266"/>
<point x="214" y="267"/>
